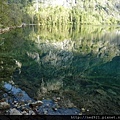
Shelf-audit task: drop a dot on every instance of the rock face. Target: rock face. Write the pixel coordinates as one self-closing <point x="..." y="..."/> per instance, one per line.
<point x="4" y="106"/>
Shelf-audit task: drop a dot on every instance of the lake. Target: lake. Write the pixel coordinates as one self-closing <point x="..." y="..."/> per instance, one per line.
<point x="79" y="64"/>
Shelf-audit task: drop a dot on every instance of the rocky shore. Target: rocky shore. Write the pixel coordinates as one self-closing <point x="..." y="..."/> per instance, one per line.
<point x="44" y="107"/>
<point x="17" y="102"/>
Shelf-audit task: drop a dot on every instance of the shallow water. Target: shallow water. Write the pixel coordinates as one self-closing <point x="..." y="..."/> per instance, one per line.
<point x="80" y="65"/>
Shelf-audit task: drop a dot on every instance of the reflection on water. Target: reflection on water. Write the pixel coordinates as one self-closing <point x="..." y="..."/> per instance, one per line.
<point x="81" y="64"/>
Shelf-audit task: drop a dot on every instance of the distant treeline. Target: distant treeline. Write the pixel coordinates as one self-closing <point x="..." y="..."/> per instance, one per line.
<point x="13" y="13"/>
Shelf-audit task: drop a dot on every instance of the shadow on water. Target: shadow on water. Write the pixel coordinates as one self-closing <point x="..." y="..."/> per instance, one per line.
<point x="81" y="65"/>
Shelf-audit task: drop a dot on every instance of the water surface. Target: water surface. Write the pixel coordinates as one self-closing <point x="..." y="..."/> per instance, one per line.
<point x="80" y="64"/>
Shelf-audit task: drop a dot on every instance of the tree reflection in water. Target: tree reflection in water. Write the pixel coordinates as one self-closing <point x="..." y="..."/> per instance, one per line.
<point x="80" y="64"/>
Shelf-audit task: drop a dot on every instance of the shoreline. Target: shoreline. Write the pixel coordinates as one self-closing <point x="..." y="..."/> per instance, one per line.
<point x="19" y="103"/>
<point x="7" y="29"/>
<point x="4" y="30"/>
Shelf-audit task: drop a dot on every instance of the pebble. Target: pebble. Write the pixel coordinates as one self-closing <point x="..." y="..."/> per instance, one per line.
<point x="7" y="111"/>
<point x="26" y="110"/>
<point x="11" y="82"/>
<point x="47" y="105"/>
<point x="55" y="100"/>
<point x="23" y="108"/>
<point x="58" y="98"/>
<point x="29" y="101"/>
<point x="31" y="112"/>
<point x="16" y="105"/>
<point x="15" y="102"/>
<point x="39" y="102"/>
<point x="24" y="113"/>
<point x="80" y="113"/>
<point x="2" y="100"/>
<point x="83" y="109"/>
<point x="87" y="110"/>
<point x="34" y="104"/>
<point x="55" y="109"/>
<point x="45" y="112"/>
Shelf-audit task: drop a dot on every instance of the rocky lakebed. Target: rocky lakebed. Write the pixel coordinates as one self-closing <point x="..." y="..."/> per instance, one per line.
<point x="17" y="102"/>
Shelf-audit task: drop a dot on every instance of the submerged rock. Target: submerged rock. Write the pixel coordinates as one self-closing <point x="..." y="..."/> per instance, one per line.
<point x="112" y="92"/>
<point x="24" y="113"/>
<point x="31" y="112"/>
<point x="55" y="109"/>
<point x="101" y="92"/>
<point x="35" y="104"/>
<point x="14" y="111"/>
<point x="58" y="98"/>
<point x="4" y="106"/>
<point x="83" y="109"/>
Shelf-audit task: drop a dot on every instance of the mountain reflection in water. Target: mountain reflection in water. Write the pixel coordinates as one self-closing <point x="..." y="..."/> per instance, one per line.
<point x="80" y="65"/>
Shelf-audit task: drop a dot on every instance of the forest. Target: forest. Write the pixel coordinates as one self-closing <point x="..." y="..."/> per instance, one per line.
<point x="44" y="12"/>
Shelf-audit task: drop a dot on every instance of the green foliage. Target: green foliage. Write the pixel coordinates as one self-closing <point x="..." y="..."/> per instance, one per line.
<point x="85" y="12"/>
<point x="4" y="12"/>
<point x="97" y="12"/>
<point x="12" y="13"/>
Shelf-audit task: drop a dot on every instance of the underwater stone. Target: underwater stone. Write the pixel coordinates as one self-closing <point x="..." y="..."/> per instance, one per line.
<point x="112" y="92"/>
<point x="58" y="98"/>
<point x="100" y="91"/>
<point x="55" y="109"/>
<point x="24" y="113"/>
<point x="36" y="104"/>
<point x="83" y="109"/>
<point x="31" y="112"/>
<point x="14" y="112"/>
<point x="4" y="105"/>
<point x="45" y="112"/>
